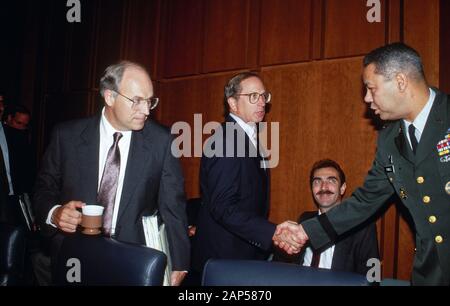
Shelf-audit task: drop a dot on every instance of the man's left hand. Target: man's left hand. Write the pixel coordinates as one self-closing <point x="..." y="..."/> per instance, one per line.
<point x="177" y="277"/>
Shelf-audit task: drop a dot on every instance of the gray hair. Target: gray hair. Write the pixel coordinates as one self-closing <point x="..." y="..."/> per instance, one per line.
<point x="113" y="76"/>
<point x="234" y="87"/>
<point x="395" y="58"/>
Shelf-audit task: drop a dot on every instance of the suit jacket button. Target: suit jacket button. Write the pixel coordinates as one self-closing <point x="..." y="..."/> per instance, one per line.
<point x="420" y="180"/>
<point x="432" y="219"/>
<point x="439" y="239"/>
<point x="426" y="199"/>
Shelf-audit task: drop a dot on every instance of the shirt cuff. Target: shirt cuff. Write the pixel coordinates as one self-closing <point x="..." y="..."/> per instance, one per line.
<point x="49" y="217"/>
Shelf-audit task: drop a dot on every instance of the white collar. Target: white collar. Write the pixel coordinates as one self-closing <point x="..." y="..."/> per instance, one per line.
<point x="421" y="119"/>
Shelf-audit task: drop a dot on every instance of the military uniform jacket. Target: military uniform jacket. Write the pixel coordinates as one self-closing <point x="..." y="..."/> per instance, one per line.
<point x="422" y="182"/>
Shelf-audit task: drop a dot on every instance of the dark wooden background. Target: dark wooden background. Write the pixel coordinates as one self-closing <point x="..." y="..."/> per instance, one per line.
<point x="309" y="53"/>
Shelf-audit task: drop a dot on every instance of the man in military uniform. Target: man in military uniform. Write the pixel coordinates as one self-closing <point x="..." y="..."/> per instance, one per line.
<point x="412" y="160"/>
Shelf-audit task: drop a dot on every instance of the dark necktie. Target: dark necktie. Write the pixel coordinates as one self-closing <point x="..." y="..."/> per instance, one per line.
<point x="108" y="185"/>
<point x="412" y="137"/>
<point x="315" y="261"/>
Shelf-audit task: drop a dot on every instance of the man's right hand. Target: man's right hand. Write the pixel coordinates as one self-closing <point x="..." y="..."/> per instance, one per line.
<point x="67" y="217"/>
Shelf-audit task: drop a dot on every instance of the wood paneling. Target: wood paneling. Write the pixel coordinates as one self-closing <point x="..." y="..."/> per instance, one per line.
<point x="444" y="67"/>
<point x="109" y="35"/>
<point x="142" y="33"/>
<point x="425" y="39"/>
<point x="323" y="98"/>
<point x="226" y="41"/>
<point x="80" y="48"/>
<point x="347" y="31"/>
<point x="182" y="40"/>
<point x="285" y="31"/>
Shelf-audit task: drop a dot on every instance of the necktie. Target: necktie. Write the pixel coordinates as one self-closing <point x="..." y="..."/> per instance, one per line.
<point x="412" y="137"/>
<point x="108" y="186"/>
<point x="315" y="259"/>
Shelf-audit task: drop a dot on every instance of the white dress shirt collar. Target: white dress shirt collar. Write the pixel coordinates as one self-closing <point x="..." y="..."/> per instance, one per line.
<point x="249" y="128"/>
<point x="421" y="119"/>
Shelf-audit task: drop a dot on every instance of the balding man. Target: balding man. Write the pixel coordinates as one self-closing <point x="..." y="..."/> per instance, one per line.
<point x="118" y="159"/>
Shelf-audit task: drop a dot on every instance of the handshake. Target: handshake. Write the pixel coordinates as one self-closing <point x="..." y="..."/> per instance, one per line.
<point x="290" y="237"/>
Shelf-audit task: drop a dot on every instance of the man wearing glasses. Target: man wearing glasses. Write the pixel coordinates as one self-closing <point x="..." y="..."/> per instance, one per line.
<point x="232" y="222"/>
<point x="120" y="160"/>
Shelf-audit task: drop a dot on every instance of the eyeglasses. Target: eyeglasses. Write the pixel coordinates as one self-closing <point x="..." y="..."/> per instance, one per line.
<point x="151" y="103"/>
<point x="253" y="97"/>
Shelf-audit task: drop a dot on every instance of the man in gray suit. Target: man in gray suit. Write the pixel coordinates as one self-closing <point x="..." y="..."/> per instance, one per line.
<point x="412" y="161"/>
<point x="149" y="177"/>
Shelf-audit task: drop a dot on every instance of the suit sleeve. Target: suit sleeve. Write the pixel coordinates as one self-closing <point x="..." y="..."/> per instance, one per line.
<point x="172" y="207"/>
<point x="363" y="203"/>
<point x="224" y="175"/>
<point x="367" y="248"/>
<point x="48" y="182"/>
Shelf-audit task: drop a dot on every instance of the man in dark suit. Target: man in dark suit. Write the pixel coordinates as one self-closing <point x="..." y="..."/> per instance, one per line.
<point x="412" y="160"/>
<point x="147" y="175"/>
<point x="352" y="250"/>
<point x="234" y="179"/>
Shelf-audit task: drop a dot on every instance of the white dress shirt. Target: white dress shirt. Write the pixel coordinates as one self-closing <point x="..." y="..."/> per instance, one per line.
<point x="249" y="129"/>
<point x="421" y="119"/>
<point x="326" y="257"/>
<point x="106" y="140"/>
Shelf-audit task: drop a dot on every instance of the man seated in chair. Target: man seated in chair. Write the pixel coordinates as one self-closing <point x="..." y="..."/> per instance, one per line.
<point x="352" y="251"/>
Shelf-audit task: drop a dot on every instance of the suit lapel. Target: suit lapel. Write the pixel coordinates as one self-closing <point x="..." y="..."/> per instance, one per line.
<point x="137" y="159"/>
<point x="434" y="129"/>
<point x="87" y="152"/>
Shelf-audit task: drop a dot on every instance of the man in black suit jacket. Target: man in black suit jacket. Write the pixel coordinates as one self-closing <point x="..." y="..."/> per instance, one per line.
<point x="351" y="251"/>
<point x="234" y="179"/>
<point x="150" y="177"/>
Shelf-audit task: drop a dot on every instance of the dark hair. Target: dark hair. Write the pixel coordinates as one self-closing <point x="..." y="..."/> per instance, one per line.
<point x="113" y="76"/>
<point x="394" y="58"/>
<point x="326" y="163"/>
<point x="13" y="109"/>
<point x="233" y="87"/>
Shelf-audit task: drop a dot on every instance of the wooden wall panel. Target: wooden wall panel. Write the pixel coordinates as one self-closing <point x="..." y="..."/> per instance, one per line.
<point x="347" y="31"/>
<point x="80" y="52"/>
<point x="109" y="36"/>
<point x="181" y="51"/>
<point x="285" y="31"/>
<point x="226" y="41"/>
<point x="444" y="67"/>
<point x="425" y="39"/>
<point x="56" y="49"/>
<point x="142" y="33"/>
<point x="322" y="115"/>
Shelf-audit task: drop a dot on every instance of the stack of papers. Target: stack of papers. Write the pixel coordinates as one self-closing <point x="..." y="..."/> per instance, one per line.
<point x="156" y="238"/>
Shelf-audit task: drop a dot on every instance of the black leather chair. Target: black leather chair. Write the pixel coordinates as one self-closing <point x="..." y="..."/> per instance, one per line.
<point x="12" y="254"/>
<point x="104" y="261"/>
<point x="219" y="272"/>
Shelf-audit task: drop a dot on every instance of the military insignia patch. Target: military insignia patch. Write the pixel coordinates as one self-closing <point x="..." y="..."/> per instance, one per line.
<point x="447" y="188"/>
<point x="443" y="146"/>
<point x="403" y="194"/>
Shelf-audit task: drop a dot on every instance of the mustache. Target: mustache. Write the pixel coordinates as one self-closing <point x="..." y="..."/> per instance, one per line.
<point x="324" y="192"/>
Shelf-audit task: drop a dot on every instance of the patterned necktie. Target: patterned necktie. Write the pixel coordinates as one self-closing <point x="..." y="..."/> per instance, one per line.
<point x="108" y="186"/>
<point x="412" y="137"/>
